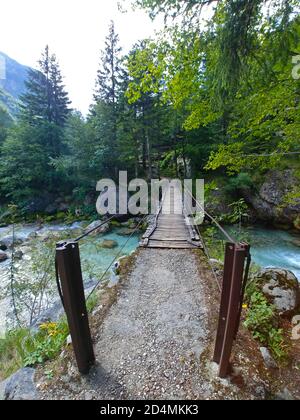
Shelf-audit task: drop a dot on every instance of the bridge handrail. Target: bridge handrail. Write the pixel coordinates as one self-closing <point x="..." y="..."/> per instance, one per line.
<point x="214" y="220"/>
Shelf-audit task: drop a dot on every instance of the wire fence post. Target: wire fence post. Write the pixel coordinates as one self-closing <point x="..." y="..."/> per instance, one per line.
<point x="231" y="303"/>
<point x="72" y="293"/>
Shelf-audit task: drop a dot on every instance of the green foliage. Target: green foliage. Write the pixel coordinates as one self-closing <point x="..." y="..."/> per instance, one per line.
<point x="47" y="343"/>
<point x="238" y="183"/>
<point x="262" y="321"/>
<point x="214" y="244"/>
<point x="21" y="347"/>
<point x="13" y="351"/>
<point x="239" y="212"/>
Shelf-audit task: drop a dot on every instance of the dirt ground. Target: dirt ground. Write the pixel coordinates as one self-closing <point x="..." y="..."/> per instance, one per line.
<point x="153" y="338"/>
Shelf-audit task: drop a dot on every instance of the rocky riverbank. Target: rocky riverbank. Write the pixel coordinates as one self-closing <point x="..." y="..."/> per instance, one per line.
<point x="275" y="201"/>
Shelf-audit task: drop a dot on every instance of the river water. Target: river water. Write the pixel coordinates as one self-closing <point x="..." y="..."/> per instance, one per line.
<point x="269" y="248"/>
<point x="38" y="246"/>
<point x="272" y="247"/>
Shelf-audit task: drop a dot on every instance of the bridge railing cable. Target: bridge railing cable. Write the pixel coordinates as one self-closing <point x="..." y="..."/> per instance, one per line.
<point x="119" y="253"/>
<point x="213" y="219"/>
<point x="71" y="291"/>
<point x="235" y="275"/>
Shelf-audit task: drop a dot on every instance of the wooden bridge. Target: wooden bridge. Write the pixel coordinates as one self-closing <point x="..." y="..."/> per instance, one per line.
<point x="173" y="227"/>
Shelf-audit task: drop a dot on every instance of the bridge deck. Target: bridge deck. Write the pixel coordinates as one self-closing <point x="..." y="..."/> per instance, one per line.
<point x="172" y="228"/>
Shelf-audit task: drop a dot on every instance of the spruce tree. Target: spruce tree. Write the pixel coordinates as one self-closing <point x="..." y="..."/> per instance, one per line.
<point x="109" y="74"/>
<point x="45" y="99"/>
<point x="104" y="113"/>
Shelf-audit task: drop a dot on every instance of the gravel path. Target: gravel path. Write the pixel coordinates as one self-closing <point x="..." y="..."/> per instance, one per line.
<point x="150" y="343"/>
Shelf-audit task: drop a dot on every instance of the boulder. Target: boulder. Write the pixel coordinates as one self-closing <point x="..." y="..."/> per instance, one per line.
<point x="21" y="386"/>
<point x="270" y="203"/>
<point x="281" y="288"/>
<point x="7" y="241"/>
<point x="109" y="244"/>
<point x="3" y="256"/>
<point x="102" y="229"/>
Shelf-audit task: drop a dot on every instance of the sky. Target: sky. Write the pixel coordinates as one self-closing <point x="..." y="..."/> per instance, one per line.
<point x="75" y="31"/>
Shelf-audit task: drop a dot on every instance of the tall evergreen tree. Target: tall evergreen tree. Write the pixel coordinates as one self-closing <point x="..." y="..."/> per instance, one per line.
<point x="109" y="74"/>
<point x="104" y="113"/>
<point x="45" y="99"/>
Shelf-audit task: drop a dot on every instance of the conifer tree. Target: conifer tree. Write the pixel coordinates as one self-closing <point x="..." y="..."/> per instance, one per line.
<point x="109" y="74"/>
<point x="104" y="113"/>
<point x="45" y="99"/>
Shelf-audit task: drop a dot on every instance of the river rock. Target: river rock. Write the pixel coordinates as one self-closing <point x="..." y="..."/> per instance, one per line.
<point x="109" y="244"/>
<point x="3" y="246"/>
<point x="295" y="242"/>
<point x="9" y="240"/>
<point x="125" y="232"/>
<point x="3" y="256"/>
<point x="21" y="386"/>
<point x="102" y="229"/>
<point x="18" y="255"/>
<point x="281" y="288"/>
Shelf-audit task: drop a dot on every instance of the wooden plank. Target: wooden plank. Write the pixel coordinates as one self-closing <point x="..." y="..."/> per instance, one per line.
<point x="171" y="230"/>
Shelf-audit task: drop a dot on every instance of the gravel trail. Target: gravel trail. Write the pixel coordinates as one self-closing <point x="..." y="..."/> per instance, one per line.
<point x="151" y="341"/>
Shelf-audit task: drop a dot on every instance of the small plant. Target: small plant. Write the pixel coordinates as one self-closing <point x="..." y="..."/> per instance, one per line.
<point x="238" y="214"/>
<point x="261" y="320"/>
<point x="47" y="343"/>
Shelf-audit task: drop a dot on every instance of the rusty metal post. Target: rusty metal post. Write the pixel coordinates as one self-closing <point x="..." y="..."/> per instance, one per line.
<point x="245" y="279"/>
<point x="240" y="252"/>
<point x="227" y="276"/>
<point x="69" y="270"/>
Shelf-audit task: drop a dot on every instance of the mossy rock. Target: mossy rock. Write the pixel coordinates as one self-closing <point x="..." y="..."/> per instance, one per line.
<point x="281" y="288"/>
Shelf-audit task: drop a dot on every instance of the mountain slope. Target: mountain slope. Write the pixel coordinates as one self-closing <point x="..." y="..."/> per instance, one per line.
<point x="13" y="85"/>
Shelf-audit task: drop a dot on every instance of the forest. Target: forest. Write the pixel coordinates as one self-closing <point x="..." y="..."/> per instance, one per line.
<point x="213" y="95"/>
<point x="216" y="99"/>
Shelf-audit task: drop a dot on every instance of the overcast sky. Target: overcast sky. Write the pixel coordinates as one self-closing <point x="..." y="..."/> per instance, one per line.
<point x="75" y="31"/>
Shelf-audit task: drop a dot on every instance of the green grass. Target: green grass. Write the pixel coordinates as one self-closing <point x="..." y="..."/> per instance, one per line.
<point x="20" y="347"/>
